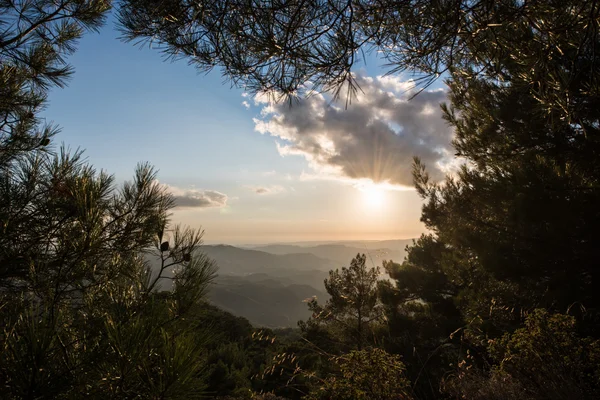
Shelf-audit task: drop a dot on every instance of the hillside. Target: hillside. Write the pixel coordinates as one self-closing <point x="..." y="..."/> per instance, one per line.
<point x="268" y="287"/>
<point x="268" y="302"/>
<point x="235" y="260"/>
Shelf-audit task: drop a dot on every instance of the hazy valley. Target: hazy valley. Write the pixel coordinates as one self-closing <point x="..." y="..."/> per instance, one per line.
<point x="269" y="284"/>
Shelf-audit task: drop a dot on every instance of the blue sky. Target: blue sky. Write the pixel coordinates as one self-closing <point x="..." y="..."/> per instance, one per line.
<point x="249" y="174"/>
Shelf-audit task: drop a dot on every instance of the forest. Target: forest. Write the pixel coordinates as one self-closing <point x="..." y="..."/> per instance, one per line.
<point x="103" y="296"/>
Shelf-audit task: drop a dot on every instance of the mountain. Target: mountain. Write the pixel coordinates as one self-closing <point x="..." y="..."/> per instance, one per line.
<point x="342" y="254"/>
<point x="235" y="260"/>
<point x="269" y="285"/>
<point x="370" y="244"/>
<point x="264" y="302"/>
<point x="267" y="289"/>
<point x="397" y="244"/>
<point x="299" y="268"/>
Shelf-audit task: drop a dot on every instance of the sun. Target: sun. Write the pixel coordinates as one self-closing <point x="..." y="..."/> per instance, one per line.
<point x="373" y="196"/>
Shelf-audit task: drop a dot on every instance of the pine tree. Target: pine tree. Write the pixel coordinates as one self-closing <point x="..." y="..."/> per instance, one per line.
<point x="81" y="313"/>
<point x="35" y="38"/>
<point x="516" y="227"/>
<point x="80" y="300"/>
<point x="353" y="308"/>
<point x="280" y="45"/>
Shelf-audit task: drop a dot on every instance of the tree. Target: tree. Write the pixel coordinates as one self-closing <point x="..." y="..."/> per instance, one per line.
<point x="80" y="306"/>
<point x="81" y="313"/>
<point x="35" y="38"/>
<point x="353" y="306"/>
<point x="515" y="228"/>
<point x="519" y="218"/>
<point x="280" y="45"/>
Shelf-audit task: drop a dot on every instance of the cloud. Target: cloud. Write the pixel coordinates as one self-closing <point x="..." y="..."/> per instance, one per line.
<point x="360" y="183"/>
<point x="194" y="198"/>
<point x="375" y="138"/>
<point x="265" y="190"/>
<point x="246" y="104"/>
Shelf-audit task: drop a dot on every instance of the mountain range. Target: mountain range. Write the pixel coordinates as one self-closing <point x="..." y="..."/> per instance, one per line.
<point x="269" y="284"/>
<point x="342" y="253"/>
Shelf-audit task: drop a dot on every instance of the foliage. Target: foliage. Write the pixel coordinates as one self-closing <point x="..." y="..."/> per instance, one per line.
<point x="515" y="227"/>
<point x="353" y="307"/>
<point x="255" y="396"/>
<point x="370" y="374"/>
<point x="36" y="36"/>
<point x="281" y="45"/>
<point x="422" y="317"/>
<point x="80" y="308"/>
<point x="292" y="365"/>
<point x="81" y="313"/>
<point x="544" y="359"/>
<point x="234" y="359"/>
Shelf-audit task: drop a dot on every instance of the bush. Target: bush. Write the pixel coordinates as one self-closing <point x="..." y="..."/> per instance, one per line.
<point x="370" y="374"/>
<point x="545" y="359"/>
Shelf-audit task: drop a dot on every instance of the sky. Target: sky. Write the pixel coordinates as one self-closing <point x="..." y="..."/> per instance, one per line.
<point x="245" y="170"/>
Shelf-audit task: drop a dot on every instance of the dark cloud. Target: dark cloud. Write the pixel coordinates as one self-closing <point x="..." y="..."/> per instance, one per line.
<point x="376" y="137"/>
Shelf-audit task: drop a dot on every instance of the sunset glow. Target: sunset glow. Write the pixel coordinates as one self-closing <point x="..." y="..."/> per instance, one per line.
<point x="374" y="197"/>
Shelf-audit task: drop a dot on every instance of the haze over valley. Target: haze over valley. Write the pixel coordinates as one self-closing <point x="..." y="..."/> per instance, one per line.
<point x="269" y="284"/>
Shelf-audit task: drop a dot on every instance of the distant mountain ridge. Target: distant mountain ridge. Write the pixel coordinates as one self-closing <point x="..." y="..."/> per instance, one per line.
<point x="369" y="244"/>
<point x="342" y="254"/>
<point x="235" y="260"/>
